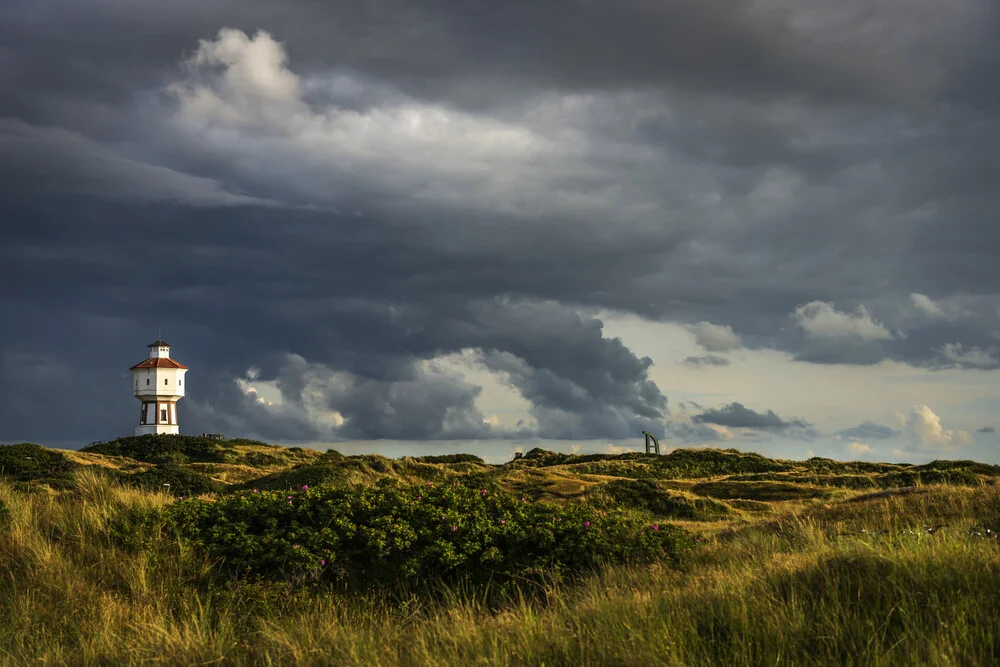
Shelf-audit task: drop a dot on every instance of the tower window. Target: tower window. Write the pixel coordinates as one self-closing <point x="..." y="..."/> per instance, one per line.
<point x="163" y="415"/>
<point x="164" y="380"/>
<point x="147" y="382"/>
<point x="178" y="383"/>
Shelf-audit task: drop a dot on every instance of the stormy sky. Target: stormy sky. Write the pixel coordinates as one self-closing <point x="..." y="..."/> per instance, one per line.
<point x="415" y="227"/>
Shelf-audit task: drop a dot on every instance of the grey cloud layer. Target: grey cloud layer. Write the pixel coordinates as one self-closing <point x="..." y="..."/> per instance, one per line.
<point x="735" y="415"/>
<point x="387" y="183"/>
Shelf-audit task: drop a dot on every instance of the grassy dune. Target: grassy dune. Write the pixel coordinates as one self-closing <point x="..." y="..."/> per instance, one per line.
<point x="787" y="569"/>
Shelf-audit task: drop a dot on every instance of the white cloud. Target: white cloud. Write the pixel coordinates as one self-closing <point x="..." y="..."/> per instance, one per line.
<point x="925" y="305"/>
<point x="974" y="357"/>
<point x="821" y="320"/>
<point x="239" y="101"/>
<point x="715" y="337"/>
<point x="924" y="429"/>
<point x="238" y="98"/>
<point x="859" y="448"/>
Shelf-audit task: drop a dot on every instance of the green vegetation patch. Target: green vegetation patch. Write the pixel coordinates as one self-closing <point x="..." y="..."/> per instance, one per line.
<point x="391" y="533"/>
<point x="821" y="465"/>
<point x="311" y="474"/>
<point x="339" y="470"/>
<point x="647" y="496"/>
<point x="697" y="463"/>
<point x="173" y="479"/>
<point x="762" y="491"/>
<point x="451" y="458"/>
<point x="165" y="449"/>
<point x="984" y="469"/>
<point x="683" y="464"/>
<point x="28" y="462"/>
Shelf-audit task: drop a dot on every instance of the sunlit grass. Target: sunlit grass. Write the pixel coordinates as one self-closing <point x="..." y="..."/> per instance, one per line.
<point x="800" y="585"/>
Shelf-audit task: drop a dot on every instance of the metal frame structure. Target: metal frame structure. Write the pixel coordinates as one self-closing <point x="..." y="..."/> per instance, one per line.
<point x="651" y="443"/>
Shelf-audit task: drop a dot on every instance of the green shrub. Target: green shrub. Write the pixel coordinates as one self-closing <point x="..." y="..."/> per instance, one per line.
<point x="395" y="534"/>
<point x="696" y="463"/>
<point x="647" y="496"/>
<point x="262" y="459"/>
<point x="182" y="481"/>
<point x="758" y="490"/>
<point x="27" y="461"/>
<point x="971" y="467"/>
<point x="914" y="477"/>
<point x="450" y="458"/>
<point x="818" y="464"/>
<point x="163" y="448"/>
<point x="133" y="528"/>
<point x="312" y="474"/>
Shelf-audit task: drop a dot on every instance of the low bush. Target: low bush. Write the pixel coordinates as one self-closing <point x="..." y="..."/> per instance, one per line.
<point x="27" y="461"/>
<point x="311" y="474"/>
<point x="973" y="467"/>
<point x="450" y="458"/>
<point x="182" y="481"/>
<point x="164" y="448"/>
<point x="397" y="534"/>
<point x="821" y="465"/>
<point x="764" y="491"/>
<point x="647" y="496"/>
<point x="134" y="528"/>
<point x="262" y="460"/>
<point x="696" y="463"/>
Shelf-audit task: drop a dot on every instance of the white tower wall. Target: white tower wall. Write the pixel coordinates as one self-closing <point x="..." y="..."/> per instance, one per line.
<point x="158" y="382"/>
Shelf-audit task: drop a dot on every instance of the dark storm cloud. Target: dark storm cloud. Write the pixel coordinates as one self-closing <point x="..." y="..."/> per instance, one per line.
<point x="695" y="432"/>
<point x="414" y="181"/>
<point x="735" y="415"/>
<point x="868" y="431"/>
<point x="860" y="50"/>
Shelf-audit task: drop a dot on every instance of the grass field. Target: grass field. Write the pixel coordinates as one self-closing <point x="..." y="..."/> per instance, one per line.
<point x="815" y="562"/>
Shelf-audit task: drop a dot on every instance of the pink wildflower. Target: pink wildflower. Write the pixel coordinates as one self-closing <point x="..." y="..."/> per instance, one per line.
<point x="305" y="486"/>
<point x="323" y="562"/>
<point x="697" y="539"/>
<point x="255" y="490"/>
<point x="453" y="529"/>
<point x="656" y="527"/>
<point x="586" y="524"/>
<point x="419" y="497"/>
<point x="502" y="521"/>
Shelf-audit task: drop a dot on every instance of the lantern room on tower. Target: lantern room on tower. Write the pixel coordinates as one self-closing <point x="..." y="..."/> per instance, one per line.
<point x="159" y="384"/>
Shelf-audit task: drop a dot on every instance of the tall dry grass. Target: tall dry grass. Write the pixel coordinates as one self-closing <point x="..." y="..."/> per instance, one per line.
<point x="803" y="587"/>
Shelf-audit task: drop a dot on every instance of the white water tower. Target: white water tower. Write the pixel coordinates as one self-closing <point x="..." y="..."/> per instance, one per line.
<point x="159" y="384"/>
